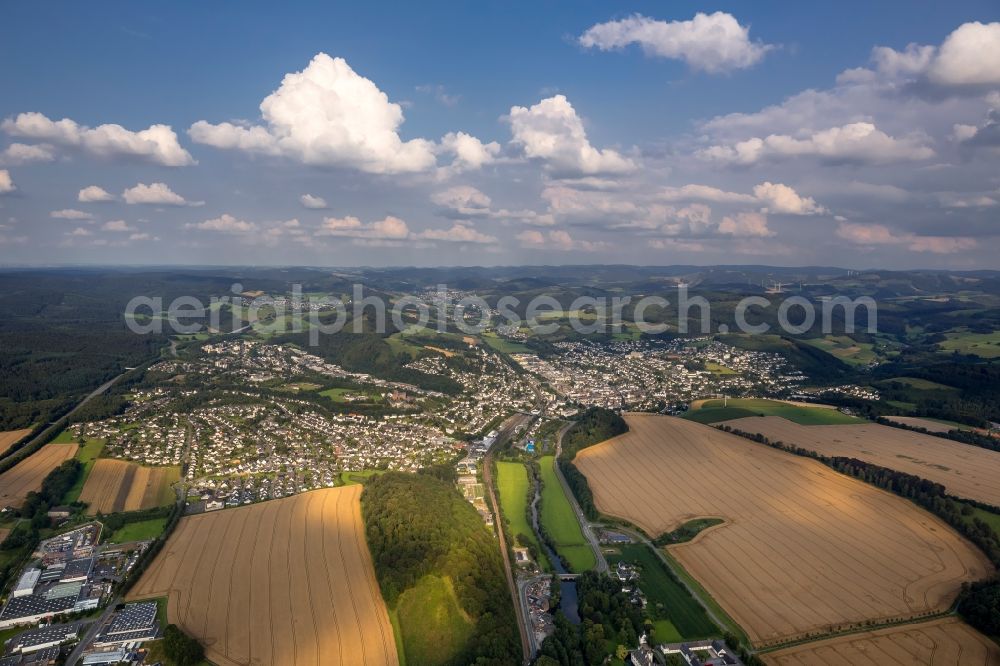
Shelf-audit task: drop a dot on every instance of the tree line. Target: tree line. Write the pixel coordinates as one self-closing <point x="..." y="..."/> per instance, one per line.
<point x="418" y="525"/>
<point x="977" y="599"/>
<point x="595" y="425"/>
<point x="608" y="619"/>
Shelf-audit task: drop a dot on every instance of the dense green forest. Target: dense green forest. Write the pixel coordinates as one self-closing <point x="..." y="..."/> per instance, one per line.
<point x="593" y="426"/>
<point x="970" y="391"/>
<point x="181" y="648"/>
<point x="426" y="541"/>
<point x="63" y="333"/>
<point x="981" y="607"/>
<point x="367" y="351"/>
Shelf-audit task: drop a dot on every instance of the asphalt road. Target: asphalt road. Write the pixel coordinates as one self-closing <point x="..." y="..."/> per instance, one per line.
<point x="60" y="423"/>
<point x="77" y="653"/>
<point x="585" y="526"/>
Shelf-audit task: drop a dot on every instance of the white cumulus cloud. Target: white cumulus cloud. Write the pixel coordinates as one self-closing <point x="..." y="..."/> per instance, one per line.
<point x="23" y="153"/>
<point x="779" y="198"/>
<point x="94" y="194"/>
<point x="6" y="182"/>
<point x="314" y="203"/>
<point x="708" y="42"/>
<point x="70" y="214"/>
<point x="224" y="223"/>
<point x="552" y="131"/>
<point x="157" y="144"/>
<point x="326" y="115"/>
<point x="860" y="142"/>
<point x="695" y="192"/>
<point x="117" y="225"/>
<point x="874" y="235"/>
<point x="556" y="239"/>
<point x="389" y="228"/>
<point x="745" y="224"/>
<point x="158" y="194"/>
<point x="969" y="56"/>
<point x="469" y="152"/>
<point x="458" y="233"/>
<point x="463" y="199"/>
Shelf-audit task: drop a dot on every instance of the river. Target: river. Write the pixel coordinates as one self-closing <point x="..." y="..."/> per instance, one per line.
<point x="568" y="600"/>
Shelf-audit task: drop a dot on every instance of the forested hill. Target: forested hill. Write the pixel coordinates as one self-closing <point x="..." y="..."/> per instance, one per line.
<point x="367" y="351"/>
<point x="440" y="571"/>
<point x="63" y="334"/>
<point x="594" y="425"/>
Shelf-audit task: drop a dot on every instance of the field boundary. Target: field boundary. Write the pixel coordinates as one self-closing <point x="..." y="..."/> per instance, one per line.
<point x="875" y="626"/>
<point x="814" y="569"/>
<point x="697" y="592"/>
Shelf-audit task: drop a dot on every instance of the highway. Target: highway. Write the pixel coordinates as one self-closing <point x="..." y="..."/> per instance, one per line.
<point x="55" y="426"/>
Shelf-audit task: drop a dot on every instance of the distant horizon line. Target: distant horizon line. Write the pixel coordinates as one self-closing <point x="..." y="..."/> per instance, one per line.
<point x="151" y="266"/>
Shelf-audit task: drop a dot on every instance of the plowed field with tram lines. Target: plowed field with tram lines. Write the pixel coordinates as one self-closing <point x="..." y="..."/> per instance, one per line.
<point x="27" y="475"/>
<point x="944" y="642"/>
<point x="289" y="581"/>
<point x="964" y="470"/>
<point x="804" y="549"/>
<point x="117" y="485"/>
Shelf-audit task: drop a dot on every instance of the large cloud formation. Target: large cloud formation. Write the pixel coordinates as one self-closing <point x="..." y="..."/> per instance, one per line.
<point x="552" y="132"/>
<point x="326" y="115"/>
<point x="969" y="56"/>
<point x="157" y="144"/>
<point x="856" y="142"/>
<point x="709" y="42"/>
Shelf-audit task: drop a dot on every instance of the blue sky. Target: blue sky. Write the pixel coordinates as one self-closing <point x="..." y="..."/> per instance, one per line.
<point x="590" y="132"/>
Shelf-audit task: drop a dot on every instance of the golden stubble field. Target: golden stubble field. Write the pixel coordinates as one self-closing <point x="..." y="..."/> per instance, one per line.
<point x="944" y="642"/>
<point x="117" y="485"/>
<point x="965" y="470"/>
<point x="288" y="581"/>
<point x="10" y="437"/>
<point x="804" y="549"/>
<point x="27" y="475"/>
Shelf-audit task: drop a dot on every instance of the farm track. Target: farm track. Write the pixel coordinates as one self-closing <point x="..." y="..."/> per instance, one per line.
<point x="805" y="549"/>
<point x="943" y="642"/>
<point x="964" y="470"/>
<point x="27" y="475"/>
<point x="288" y="581"/>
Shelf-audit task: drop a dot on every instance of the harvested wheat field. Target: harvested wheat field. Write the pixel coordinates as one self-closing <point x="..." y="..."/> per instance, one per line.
<point x="926" y="424"/>
<point x="944" y="642"/>
<point x="117" y="485"/>
<point x="27" y="475"/>
<point x="963" y="469"/>
<point x="804" y="548"/>
<point x="10" y="437"/>
<point x="288" y="581"/>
